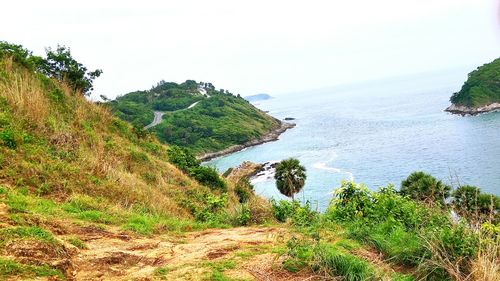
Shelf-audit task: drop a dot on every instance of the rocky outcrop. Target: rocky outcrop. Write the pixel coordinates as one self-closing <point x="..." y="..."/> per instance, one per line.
<point x="271" y="136"/>
<point x="466" y="110"/>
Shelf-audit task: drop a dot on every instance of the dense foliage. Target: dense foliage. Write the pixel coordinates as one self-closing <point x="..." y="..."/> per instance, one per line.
<point x="481" y="88"/>
<point x="218" y="121"/>
<point x="187" y="162"/>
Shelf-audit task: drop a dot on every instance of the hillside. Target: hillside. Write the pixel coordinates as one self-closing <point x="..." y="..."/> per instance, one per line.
<point x="481" y="91"/>
<point x="195" y="115"/>
<point x="72" y="173"/>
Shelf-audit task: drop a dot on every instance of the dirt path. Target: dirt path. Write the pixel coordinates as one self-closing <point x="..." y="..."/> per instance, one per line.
<point x="118" y="256"/>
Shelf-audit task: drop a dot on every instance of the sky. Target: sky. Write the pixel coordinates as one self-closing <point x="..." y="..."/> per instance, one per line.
<point x="258" y="46"/>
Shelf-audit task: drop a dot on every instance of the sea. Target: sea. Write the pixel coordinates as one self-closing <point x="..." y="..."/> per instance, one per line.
<point x="377" y="133"/>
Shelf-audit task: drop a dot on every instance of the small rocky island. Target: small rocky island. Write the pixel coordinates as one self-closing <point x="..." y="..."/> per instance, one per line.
<point x="258" y="97"/>
<point x="480" y="93"/>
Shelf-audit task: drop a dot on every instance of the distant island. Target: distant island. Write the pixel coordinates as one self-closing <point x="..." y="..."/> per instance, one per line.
<point x="480" y="93"/>
<point x="258" y="97"/>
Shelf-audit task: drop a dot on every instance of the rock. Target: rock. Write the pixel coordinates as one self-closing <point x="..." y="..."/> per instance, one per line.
<point x="271" y="136"/>
<point x="466" y="110"/>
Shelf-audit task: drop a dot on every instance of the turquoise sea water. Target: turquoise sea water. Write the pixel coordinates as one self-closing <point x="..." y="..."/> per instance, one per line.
<point x="378" y="133"/>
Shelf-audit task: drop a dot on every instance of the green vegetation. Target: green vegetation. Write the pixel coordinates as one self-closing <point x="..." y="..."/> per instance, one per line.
<point x="9" y="268"/>
<point x="406" y="228"/>
<point x="481" y="88"/>
<point x="290" y="177"/>
<point x="187" y="162"/>
<point x="215" y="123"/>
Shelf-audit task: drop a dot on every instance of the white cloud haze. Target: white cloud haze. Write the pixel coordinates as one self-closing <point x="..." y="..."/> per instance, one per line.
<point x="258" y="46"/>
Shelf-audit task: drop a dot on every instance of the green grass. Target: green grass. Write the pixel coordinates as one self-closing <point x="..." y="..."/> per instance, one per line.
<point x="348" y="266"/>
<point x="162" y="272"/>
<point x="77" y="243"/>
<point x="26" y="233"/>
<point x="218" y="268"/>
<point x="9" y="268"/>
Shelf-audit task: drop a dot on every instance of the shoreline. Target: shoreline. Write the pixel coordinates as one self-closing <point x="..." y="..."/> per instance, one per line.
<point x="273" y="135"/>
<point x="466" y="110"/>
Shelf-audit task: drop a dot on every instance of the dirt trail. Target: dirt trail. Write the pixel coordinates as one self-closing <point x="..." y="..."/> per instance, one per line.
<point x="118" y="256"/>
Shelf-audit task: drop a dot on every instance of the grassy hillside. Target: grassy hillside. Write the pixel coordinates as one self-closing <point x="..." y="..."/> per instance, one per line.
<point x="481" y="88"/>
<point x="66" y="162"/>
<point x="218" y="121"/>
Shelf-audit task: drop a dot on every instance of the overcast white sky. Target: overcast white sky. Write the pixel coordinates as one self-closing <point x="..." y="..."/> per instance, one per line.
<point x="258" y="46"/>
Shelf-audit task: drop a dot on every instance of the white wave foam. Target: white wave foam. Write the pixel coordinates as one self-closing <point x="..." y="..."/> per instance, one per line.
<point x="323" y="166"/>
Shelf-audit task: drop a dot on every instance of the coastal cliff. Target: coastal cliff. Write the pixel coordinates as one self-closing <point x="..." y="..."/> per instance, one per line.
<point x="273" y="135"/>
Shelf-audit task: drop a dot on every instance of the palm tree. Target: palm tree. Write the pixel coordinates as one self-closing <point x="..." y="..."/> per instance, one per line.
<point x="290" y="177"/>
<point x="424" y="187"/>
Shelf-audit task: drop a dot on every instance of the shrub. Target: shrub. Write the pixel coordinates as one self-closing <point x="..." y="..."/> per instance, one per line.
<point x="350" y="201"/>
<point x="283" y="209"/>
<point x="243" y="215"/>
<point x="209" y="177"/>
<point x="299" y="254"/>
<point x="243" y="190"/>
<point x="182" y="158"/>
<point x="7" y="138"/>
<point x="300" y="215"/>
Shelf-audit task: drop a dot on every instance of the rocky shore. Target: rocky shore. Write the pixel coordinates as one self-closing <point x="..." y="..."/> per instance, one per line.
<point x="271" y="136"/>
<point x="466" y="110"/>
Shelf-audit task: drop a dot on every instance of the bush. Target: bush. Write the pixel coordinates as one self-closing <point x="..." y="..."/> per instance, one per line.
<point x="299" y="254"/>
<point x="350" y="201"/>
<point x="243" y="190"/>
<point x="7" y="138"/>
<point x="243" y="215"/>
<point x="182" y="158"/>
<point x="211" y="212"/>
<point x="283" y="209"/>
<point x="209" y="177"/>
<point x="300" y="215"/>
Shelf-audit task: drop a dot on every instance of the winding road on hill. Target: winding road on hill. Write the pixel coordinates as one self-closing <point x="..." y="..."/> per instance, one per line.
<point x="158" y="115"/>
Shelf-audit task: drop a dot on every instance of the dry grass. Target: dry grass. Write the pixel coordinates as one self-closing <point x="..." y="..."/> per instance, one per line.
<point x="24" y="93"/>
<point x="486" y="267"/>
<point x="83" y="154"/>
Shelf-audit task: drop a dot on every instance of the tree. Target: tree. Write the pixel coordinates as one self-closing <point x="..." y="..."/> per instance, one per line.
<point x="424" y="187"/>
<point x="290" y="177"/>
<point x="60" y="65"/>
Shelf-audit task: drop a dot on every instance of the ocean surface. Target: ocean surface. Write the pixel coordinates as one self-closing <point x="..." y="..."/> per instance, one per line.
<point x="377" y="133"/>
